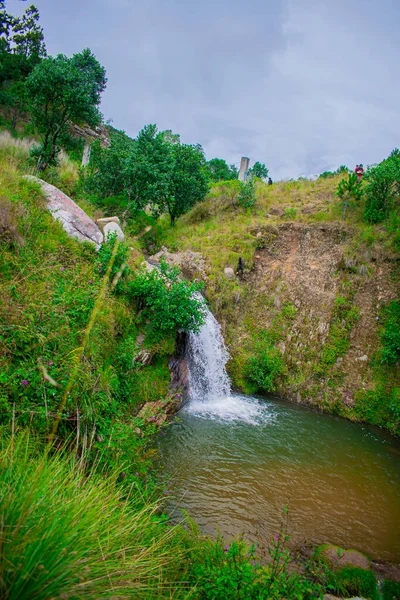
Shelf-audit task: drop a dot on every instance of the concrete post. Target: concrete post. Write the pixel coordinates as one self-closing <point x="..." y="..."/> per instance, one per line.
<point x="86" y="154"/>
<point x="244" y="167"/>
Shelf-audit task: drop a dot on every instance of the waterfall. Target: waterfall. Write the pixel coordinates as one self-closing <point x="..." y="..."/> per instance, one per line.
<point x="207" y="357"/>
<point x="210" y="393"/>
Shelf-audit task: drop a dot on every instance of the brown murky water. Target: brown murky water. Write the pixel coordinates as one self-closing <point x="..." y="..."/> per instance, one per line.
<point x="234" y="465"/>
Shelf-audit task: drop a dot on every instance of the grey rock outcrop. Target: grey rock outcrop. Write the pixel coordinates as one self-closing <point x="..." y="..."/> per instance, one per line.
<point x="229" y="273"/>
<point x="192" y="264"/>
<point x="74" y="220"/>
<point x="112" y="227"/>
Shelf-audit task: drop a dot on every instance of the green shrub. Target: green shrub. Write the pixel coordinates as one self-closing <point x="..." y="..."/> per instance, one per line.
<point x="247" y="195"/>
<point x="349" y="189"/>
<point x="379" y="406"/>
<point x="221" y="571"/>
<point x="290" y="213"/>
<point x="383" y="188"/>
<point x="351" y="581"/>
<point x="390" y="336"/>
<point x="391" y="590"/>
<point x="264" y="367"/>
<point x="167" y="301"/>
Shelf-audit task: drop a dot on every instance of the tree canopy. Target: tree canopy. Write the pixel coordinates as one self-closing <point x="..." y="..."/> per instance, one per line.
<point x="218" y="170"/>
<point x="64" y="89"/>
<point x="259" y="170"/>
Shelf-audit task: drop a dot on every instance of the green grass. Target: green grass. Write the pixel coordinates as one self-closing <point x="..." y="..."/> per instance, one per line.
<point x="70" y="533"/>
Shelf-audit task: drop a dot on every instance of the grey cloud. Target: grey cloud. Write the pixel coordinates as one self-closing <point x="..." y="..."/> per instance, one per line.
<point x="302" y="85"/>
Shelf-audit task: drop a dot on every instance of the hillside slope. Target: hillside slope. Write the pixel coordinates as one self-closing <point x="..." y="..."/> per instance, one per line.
<point x="307" y="316"/>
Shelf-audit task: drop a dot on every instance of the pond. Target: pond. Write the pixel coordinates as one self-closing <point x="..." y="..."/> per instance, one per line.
<point x="235" y="463"/>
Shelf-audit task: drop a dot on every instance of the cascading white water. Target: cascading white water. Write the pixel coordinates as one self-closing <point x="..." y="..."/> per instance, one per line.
<point x="209" y="385"/>
<point x="207" y="357"/>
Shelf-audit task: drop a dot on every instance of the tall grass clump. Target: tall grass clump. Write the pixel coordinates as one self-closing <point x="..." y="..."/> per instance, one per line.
<point x="69" y="533"/>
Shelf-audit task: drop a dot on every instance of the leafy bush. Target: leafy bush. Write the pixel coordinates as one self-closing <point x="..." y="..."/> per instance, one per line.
<point x="391" y="590"/>
<point x="351" y="581"/>
<point x="222" y="571"/>
<point x="247" y="195"/>
<point x="383" y="188"/>
<point x="379" y="406"/>
<point x="167" y="300"/>
<point x="289" y="213"/>
<point x="344" y="316"/>
<point x="349" y="189"/>
<point x="390" y="336"/>
<point x="264" y="367"/>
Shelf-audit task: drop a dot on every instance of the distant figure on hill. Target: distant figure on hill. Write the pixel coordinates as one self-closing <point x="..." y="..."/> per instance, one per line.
<point x="240" y="267"/>
<point x="359" y="171"/>
<point x="269" y="181"/>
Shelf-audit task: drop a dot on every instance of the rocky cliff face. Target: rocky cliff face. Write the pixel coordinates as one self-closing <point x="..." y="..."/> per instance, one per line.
<point x="321" y="308"/>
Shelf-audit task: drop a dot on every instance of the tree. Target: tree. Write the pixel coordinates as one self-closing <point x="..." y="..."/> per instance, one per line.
<point x="259" y="170"/>
<point x="189" y="181"/>
<point x="148" y="171"/>
<point x="383" y="188"/>
<point x="104" y="176"/>
<point x="218" y="170"/>
<point x="64" y="89"/>
<point x="27" y="36"/>
<point x="162" y="172"/>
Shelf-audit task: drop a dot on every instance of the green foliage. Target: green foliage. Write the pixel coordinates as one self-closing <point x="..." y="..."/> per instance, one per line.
<point x="259" y="170"/>
<point x="247" y="196"/>
<point x="71" y="533"/>
<point x="164" y="173"/>
<point x="351" y="581"/>
<point x="344" y="316"/>
<point x="21" y="49"/>
<point x="79" y="82"/>
<point x="390" y="336"/>
<point x="391" y="590"/>
<point x="170" y="302"/>
<point x="264" y="367"/>
<point x="289" y="213"/>
<point x="349" y="189"/>
<point x="233" y="571"/>
<point x="379" y="406"/>
<point x="329" y="174"/>
<point x="383" y="189"/>
<point x="218" y="170"/>
<point x="104" y="175"/>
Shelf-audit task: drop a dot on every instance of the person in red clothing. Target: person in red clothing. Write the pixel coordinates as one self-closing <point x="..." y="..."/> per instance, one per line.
<point x="359" y="171"/>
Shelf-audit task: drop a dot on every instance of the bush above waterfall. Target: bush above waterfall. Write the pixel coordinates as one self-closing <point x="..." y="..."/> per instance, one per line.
<point x="167" y="301"/>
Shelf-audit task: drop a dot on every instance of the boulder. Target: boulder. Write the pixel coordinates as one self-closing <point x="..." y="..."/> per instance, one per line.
<point x="191" y="264"/>
<point x="74" y="220"/>
<point x="104" y="220"/>
<point x="337" y="558"/>
<point x="229" y="273"/>
<point x="112" y="227"/>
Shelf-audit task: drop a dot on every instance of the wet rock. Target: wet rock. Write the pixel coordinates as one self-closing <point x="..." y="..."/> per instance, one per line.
<point x="160" y="411"/>
<point x="229" y="273"/>
<point x="112" y="227"/>
<point x="74" y="220"/>
<point x="337" y="558"/>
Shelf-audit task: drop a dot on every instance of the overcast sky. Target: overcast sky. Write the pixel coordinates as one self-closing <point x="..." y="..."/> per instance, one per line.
<point x="301" y="85"/>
